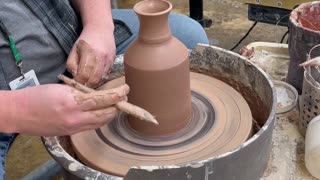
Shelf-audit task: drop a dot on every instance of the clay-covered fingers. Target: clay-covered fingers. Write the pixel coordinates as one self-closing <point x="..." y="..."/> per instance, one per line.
<point x="73" y="62"/>
<point x="98" y="108"/>
<point x="98" y="118"/>
<point x="95" y="79"/>
<point x="102" y="99"/>
<point x="89" y="65"/>
<point x="104" y="116"/>
<point x="312" y="62"/>
<point x="87" y="62"/>
<point x="121" y="90"/>
<point x="101" y="68"/>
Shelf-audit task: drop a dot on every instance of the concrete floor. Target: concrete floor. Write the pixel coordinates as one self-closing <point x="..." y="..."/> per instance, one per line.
<point x="229" y="25"/>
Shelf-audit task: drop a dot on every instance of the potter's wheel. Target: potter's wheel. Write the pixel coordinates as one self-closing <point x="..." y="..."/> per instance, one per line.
<point x="221" y="121"/>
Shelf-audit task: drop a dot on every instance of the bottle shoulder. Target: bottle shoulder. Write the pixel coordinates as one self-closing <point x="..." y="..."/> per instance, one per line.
<point x="142" y="55"/>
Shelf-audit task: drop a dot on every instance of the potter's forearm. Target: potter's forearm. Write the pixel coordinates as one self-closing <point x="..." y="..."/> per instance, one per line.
<point x="8" y="111"/>
<point x="95" y="13"/>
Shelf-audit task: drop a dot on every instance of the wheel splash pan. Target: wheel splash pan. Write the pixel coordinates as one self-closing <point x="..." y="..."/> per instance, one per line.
<point x="248" y="161"/>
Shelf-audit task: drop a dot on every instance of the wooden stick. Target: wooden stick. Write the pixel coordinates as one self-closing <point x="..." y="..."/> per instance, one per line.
<point x="122" y="105"/>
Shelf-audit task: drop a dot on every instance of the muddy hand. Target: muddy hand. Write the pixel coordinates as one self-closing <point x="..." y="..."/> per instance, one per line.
<point x="311" y="62"/>
<point x="84" y="64"/>
<point x="122" y="105"/>
<point x="98" y="102"/>
<point x="57" y="110"/>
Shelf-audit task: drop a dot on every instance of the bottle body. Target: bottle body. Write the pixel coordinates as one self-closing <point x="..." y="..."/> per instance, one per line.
<point x="157" y="71"/>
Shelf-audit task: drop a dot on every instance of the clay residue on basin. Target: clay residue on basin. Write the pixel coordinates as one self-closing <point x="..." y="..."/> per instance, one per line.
<point x="218" y="65"/>
<point x="259" y="110"/>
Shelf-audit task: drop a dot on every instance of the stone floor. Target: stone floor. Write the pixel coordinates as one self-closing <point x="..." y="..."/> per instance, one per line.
<point x="229" y="25"/>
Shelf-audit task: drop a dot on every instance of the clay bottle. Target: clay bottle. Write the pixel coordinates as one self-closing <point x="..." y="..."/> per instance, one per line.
<point x="157" y="71"/>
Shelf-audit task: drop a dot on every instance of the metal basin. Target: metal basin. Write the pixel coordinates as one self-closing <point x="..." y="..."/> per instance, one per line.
<point x="248" y="161"/>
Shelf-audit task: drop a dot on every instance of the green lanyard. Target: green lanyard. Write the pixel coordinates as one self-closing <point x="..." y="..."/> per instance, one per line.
<point x="13" y="47"/>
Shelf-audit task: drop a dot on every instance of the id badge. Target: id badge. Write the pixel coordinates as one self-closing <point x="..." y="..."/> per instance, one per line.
<point x="30" y="79"/>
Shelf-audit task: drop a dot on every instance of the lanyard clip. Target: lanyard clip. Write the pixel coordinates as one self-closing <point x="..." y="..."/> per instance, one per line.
<point x="21" y="70"/>
<point x="15" y="51"/>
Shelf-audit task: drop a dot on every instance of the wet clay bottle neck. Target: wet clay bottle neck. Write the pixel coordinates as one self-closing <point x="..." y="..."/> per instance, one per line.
<point x="153" y="17"/>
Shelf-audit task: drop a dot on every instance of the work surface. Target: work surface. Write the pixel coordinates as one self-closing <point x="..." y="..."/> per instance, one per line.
<point x="287" y="156"/>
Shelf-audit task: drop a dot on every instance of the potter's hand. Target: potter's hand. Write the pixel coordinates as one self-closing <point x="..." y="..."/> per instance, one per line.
<point x="92" y="56"/>
<point x="55" y="110"/>
<point x="311" y="62"/>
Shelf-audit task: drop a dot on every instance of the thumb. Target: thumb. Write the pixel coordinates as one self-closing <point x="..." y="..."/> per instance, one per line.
<point x="73" y="61"/>
<point x="312" y="62"/>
